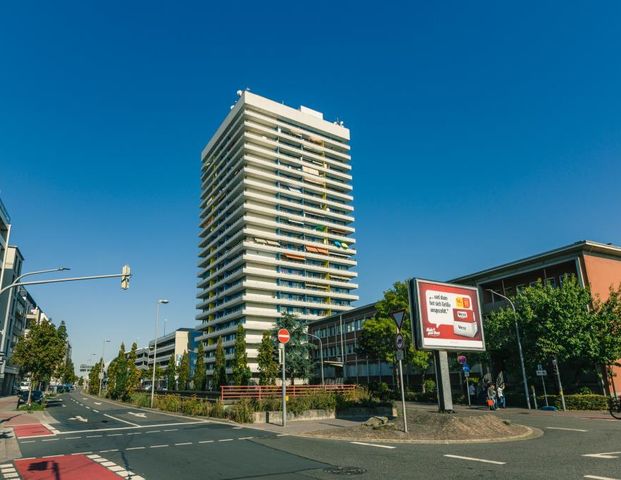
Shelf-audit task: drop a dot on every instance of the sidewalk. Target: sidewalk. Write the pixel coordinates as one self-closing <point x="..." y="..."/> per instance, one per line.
<point x="299" y="427"/>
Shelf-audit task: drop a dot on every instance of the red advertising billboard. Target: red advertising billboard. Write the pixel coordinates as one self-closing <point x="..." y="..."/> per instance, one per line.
<point x="446" y="316"/>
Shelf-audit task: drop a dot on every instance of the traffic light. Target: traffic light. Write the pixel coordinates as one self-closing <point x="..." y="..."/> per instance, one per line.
<point x="125" y="274"/>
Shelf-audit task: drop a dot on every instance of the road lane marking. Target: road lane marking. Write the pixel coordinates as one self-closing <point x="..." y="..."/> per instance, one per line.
<point x="79" y="419"/>
<point x="82" y="453"/>
<point x="153" y="431"/>
<point x="52" y="456"/>
<point x="134" y="433"/>
<point x="183" y="443"/>
<point x="567" y="429"/>
<point x="94" y="436"/>
<point x="158" y="446"/>
<point x="603" y="455"/>
<point x="206" y="441"/>
<point x="121" y="420"/>
<point x="28" y="441"/>
<point x="140" y="415"/>
<point x="171" y="430"/>
<point x="96" y="411"/>
<point x="72" y="438"/>
<point x="97" y="403"/>
<point x="115" y="429"/>
<point x="135" y="448"/>
<point x="226" y="440"/>
<point x="475" y="459"/>
<point x="110" y="450"/>
<point x="373" y="445"/>
<point x="50" y="440"/>
<point x="245" y="438"/>
<point x="115" y="435"/>
<point x="595" y="477"/>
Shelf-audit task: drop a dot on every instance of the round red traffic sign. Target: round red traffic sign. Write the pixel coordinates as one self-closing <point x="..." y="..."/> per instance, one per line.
<point x="283" y="335"/>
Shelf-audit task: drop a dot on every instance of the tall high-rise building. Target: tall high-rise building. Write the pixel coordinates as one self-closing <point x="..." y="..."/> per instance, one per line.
<point x="276" y="232"/>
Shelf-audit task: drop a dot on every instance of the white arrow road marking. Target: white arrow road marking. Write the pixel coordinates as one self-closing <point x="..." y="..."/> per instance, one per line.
<point x="79" y="418"/>
<point x="603" y="455"/>
<point x="141" y="415"/>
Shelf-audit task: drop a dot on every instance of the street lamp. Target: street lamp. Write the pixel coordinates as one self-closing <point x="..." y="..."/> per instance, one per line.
<point x="157" y="321"/>
<point x="101" y="374"/>
<point x="320" y="355"/>
<point x="519" y="342"/>
<point x="8" y="309"/>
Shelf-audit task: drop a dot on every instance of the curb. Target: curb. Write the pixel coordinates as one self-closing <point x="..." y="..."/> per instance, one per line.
<point x="531" y="434"/>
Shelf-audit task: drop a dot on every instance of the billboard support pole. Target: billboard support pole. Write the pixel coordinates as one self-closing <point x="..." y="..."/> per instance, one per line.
<point x="445" y="398"/>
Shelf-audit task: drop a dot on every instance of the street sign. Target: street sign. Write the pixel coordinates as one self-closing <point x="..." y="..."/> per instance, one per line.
<point x="467" y="373"/>
<point x="399" y="341"/>
<point x="101" y="375"/>
<point x="281" y="351"/>
<point x="542" y="373"/>
<point x="466" y="368"/>
<point x="398" y="317"/>
<point x="461" y="359"/>
<point x="283" y="335"/>
<point x="399" y="355"/>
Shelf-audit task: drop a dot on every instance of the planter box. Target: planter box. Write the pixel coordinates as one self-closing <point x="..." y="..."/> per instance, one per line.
<point x="276" y="417"/>
<point x="366" y="412"/>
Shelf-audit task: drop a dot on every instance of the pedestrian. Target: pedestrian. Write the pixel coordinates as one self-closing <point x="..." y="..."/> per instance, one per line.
<point x="491" y="397"/>
<point x="500" y="394"/>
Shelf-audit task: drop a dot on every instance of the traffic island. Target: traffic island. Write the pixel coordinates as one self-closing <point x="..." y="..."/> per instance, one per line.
<point x="428" y="427"/>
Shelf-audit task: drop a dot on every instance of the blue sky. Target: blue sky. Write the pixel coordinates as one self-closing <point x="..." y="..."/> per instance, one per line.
<point x="482" y="132"/>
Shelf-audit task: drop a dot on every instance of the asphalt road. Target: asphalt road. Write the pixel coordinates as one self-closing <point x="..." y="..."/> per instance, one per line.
<point x="161" y="446"/>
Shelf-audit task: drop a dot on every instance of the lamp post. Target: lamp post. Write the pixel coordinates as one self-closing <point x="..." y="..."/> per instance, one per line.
<point x="320" y="355"/>
<point x="10" y="296"/>
<point x="101" y="374"/>
<point x="519" y="342"/>
<point x="157" y="321"/>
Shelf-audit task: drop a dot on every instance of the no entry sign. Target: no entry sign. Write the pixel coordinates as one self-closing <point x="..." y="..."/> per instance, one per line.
<point x="283" y="335"/>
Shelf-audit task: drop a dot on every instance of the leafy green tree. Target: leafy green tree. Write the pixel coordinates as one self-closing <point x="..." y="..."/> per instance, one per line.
<point x="93" y="378"/>
<point x="268" y="367"/>
<point x="133" y="372"/>
<point x="606" y="330"/>
<point x="171" y="375"/>
<point x="377" y="338"/>
<point x="184" y="371"/>
<point x="200" y="374"/>
<point x="39" y="352"/>
<point x="118" y="375"/>
<point x="68" y="374"/>
<point x="241" y="371"/>
<point x="298" y="360"/>
<point x="219" y="368"/>
<point x="80" y="381"/>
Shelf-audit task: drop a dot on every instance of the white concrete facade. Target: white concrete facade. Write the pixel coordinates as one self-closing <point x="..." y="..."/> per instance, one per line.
<point x="276" y="232"/>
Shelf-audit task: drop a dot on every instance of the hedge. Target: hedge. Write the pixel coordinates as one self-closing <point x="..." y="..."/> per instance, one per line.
<point x="576" y="402"/>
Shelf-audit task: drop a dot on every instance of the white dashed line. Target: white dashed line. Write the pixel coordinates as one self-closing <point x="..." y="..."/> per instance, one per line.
<point x="135" y="448"/>
<point x="115" y="435"/>
<point x="94" y="436"/>
<point x="72" y="438"/>
<point x="50" y="440"/>
<point x="183" y="443"/>
<point x="153" y="431"/>
<point x="226" y="440"/>
<point x="110" y="450"/>
<point x="171" y="430"/>
<point x="567" y="429"/>
<point x="206" y="441"/>
<point x="472" y="459"/>
<point x="372" y="445"/>
<point x="245" y="438"/>
<point x="158" y="446"/>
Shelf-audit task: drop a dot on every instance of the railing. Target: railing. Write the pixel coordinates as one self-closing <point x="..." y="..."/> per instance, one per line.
<point x="229" y="392"/>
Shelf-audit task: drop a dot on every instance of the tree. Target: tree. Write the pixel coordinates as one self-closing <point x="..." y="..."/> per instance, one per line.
<point x="39" y="352"/>
<point x="118" y="375"/>
<point x="93" y="378"/>
<point x="268" y="367"/>
<point x="377" y="338"/>
<point x="606" y="330"/>
<point x="134" y="373"/>
<point x="68" y="374"/>
<point x="200" y="373"/>
<point x="171" y="375"/>
<point x="219" y="368"/>
<point x="298" y="361"/>
<point x="241" y="371"/>
<point x="184" y="372"/>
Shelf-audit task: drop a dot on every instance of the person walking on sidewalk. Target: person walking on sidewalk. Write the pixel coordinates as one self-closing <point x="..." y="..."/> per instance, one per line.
<point x="491" y="397"/>
<point x="500" y="394"/>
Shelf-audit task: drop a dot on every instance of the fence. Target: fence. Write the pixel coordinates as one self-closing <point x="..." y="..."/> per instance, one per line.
<point x="230" y="392"/>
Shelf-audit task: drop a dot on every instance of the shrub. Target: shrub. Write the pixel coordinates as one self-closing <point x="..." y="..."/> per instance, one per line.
<point x="140" y="399"/>
<point x="267" y="405"/>
<point x="430" y="385"/>
<point x="427" y="397"/>
<point x="195" y="406"/>
<point x="577" y="402"/>
<point x="241" y="411"/>
<point x="217" y="409"/>
<point x="380" y="390"/>
<point x="585" y="391"/>
<point x="169" y="403"/>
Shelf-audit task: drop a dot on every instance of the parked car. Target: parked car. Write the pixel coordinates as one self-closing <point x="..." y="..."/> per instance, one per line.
<point x="37" y="396"/>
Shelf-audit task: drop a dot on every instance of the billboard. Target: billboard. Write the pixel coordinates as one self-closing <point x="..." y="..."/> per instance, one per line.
<point x="446" y="316"/>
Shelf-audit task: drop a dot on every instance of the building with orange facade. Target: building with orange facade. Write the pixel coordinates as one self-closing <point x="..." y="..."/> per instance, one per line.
<point x="596" y="265"/>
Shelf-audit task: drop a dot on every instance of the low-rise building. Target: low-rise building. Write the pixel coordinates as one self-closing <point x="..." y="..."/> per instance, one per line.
<point x="596" y="265"/>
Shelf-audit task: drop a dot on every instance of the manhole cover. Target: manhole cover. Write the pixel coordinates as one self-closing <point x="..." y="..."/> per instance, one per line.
<point x="345" y="470"/>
